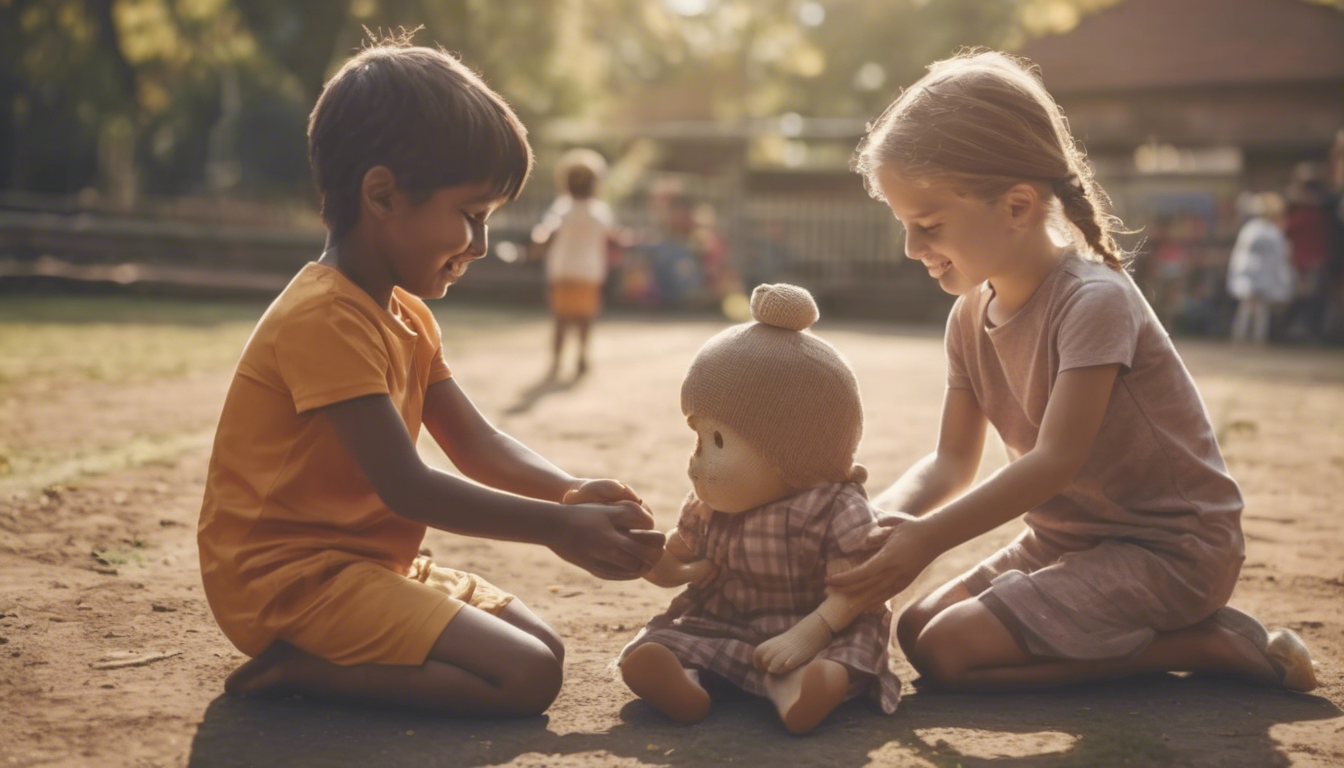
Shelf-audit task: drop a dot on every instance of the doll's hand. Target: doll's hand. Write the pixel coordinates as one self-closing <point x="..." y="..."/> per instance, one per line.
<point x="698" y="573"/>
<point x="906" y="551"/>
<point x="611" y="541"/>
<point x="793" y="648"/>
<point x="583" y="491"/>
<point x="671" y="571"/>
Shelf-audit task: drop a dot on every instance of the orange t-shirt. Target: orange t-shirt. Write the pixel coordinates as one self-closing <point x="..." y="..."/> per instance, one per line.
<point x="286" y="506"/>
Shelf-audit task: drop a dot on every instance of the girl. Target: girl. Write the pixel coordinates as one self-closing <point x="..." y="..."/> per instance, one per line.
<point x="1133" y="540"/>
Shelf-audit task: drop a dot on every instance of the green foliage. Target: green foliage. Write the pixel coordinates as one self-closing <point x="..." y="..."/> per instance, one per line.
<point x="183" y="96"/>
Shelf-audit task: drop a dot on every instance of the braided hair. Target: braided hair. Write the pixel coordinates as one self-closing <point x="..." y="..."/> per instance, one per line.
<point x="984" y="121"/>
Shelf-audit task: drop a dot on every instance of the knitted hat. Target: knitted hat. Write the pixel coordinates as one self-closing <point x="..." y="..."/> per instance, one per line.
<point x="792" y="396"/>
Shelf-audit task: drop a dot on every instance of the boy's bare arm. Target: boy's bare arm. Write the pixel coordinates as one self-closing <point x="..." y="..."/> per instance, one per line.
<point x="611" y="540"/>
<point x="485" y="454"/>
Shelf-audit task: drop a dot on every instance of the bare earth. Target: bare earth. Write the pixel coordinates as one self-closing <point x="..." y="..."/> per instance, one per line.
<point x="113" y="464"/>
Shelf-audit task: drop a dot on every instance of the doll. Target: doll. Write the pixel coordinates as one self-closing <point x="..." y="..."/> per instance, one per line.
<point x="778" y="503"/>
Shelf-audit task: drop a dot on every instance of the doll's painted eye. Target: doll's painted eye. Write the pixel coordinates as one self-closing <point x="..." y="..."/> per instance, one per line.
<point x="718" y="440"/>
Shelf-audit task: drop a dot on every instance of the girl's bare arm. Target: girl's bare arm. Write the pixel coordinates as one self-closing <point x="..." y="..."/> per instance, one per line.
<point x="1064" y="442"/>
<point x="951" y="467"/>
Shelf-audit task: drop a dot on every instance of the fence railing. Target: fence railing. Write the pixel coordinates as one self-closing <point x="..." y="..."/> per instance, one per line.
<point x="848" y="252"/>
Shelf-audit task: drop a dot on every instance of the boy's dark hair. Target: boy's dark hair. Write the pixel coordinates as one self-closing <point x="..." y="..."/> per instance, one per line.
<point x="421" y="113"/>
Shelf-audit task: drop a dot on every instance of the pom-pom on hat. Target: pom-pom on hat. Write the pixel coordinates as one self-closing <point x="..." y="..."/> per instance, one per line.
<point x="785" y="391"/>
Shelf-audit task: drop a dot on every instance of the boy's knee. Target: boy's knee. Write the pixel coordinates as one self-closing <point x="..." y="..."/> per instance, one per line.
<point x="533" y="681"/>
<point x="552" y="641"/>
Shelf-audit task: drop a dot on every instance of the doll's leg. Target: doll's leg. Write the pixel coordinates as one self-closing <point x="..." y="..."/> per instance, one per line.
<point x="805" y="696"/>
<point x="655" y="675"/>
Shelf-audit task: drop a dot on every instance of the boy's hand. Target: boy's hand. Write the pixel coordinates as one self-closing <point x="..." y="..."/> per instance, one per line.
<point x="610" y="541"/>
<point x="905" y="553"/>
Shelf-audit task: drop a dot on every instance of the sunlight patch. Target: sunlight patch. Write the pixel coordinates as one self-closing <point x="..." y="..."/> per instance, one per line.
<point x="990" y="745"/>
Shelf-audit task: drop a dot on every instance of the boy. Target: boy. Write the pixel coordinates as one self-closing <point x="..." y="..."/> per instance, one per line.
<point x="316" y="501"/>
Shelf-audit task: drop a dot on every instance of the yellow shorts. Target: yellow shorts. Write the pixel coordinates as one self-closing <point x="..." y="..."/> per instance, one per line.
<point x="367" y="613"/>
<point x="575" y="299"/>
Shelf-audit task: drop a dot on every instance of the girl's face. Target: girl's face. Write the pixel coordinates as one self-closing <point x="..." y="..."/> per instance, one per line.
<point x="962" y="240"/>
<point x="428" y="244"/>
<point x="727" y="473"/>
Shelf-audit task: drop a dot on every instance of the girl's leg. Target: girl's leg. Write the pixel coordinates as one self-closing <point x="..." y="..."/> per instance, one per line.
<point x="914" y="618"/>
<point x="966" y="648"/>
<point x="805" y="696"/>
<point x="480" y="665"/>
<point x="654" y="673"/>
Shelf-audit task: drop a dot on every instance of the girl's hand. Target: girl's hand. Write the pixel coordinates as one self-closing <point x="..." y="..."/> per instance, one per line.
<point x="905" y="553"/>
<point x="610" y="541"/>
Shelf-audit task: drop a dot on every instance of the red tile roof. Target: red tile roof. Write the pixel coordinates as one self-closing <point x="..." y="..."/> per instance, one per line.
<point x="1144" y="44"/>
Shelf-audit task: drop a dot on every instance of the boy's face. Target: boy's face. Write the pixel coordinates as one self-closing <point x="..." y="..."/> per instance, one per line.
<point x="958" y="238"/>
<point x="428" y="244"/>
<point x="727" y="473"/>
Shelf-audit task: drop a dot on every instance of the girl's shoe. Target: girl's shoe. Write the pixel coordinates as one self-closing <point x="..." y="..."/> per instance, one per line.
<point x="1283" y="648"/>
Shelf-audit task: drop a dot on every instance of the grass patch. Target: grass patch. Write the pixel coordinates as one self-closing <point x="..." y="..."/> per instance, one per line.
<point x="45" y="340"/>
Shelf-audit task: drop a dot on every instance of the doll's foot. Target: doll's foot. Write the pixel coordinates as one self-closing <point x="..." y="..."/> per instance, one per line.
<point x="268" y="674"/>
<point x="655" y="675"/>
<point x="805" y="696"/>
<point x="1283" y="649"/>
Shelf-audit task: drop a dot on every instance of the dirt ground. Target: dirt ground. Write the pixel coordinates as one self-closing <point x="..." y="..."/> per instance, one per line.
<point x="105" y="422"/>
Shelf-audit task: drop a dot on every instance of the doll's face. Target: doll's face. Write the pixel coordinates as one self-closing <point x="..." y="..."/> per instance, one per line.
<point x="727" y="473"/>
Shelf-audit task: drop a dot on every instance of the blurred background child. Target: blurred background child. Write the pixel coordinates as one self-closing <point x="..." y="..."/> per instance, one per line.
<point x="577" y="233"/>
<point x="1259" y="273"/>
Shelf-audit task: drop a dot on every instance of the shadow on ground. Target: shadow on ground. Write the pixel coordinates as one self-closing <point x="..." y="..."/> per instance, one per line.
<point x="1158" y="721"/>
<point x="547" y="385"/>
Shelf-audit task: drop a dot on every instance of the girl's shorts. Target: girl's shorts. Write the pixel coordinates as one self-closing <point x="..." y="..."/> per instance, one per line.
<point x="1105" y="601"/>
<point x="366" y="613"/>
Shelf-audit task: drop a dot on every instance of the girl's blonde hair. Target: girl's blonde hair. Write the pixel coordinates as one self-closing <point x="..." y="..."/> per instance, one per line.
<point x="983" y="121"/>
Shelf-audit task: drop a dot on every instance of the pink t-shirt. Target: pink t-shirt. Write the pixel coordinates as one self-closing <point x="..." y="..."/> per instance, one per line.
<point x="1155" y="474"/>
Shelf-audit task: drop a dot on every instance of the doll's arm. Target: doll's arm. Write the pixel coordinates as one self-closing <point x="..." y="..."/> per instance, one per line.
<point x="805" y="639"/>
<point x="678" y="565"/>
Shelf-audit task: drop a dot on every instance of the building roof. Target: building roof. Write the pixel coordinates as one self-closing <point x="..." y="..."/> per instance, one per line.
<point x="1148" y="44"/>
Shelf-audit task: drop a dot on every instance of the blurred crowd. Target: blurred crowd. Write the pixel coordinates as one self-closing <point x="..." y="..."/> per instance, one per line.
<point x="1280" y="281"/>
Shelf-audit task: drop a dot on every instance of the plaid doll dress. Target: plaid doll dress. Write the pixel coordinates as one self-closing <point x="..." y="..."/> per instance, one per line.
<point x="772" y="568"/>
